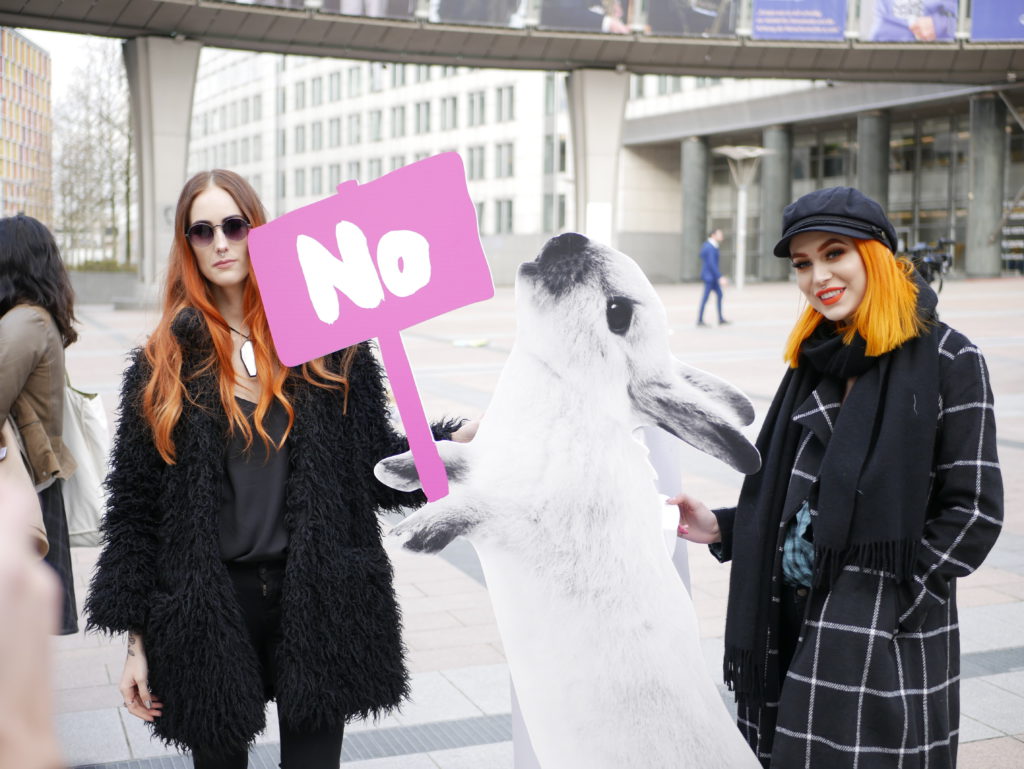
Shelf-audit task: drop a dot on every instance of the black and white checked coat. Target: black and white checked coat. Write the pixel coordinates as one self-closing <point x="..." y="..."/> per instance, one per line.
<point x="874" y="681"/>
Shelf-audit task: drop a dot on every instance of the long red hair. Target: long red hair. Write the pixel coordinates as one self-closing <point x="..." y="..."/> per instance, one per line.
<point x="186" y="287"/>
<point x="887" y="316"/>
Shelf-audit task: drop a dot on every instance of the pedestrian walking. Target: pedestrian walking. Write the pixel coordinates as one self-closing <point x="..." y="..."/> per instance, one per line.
<point x="711" y="275"/>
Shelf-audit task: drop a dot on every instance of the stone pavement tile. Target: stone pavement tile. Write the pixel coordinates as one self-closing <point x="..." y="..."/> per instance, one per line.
<point x="982" y="596"/>
<point x="446" y="658"/>
<point x="983" y="628"/>
<point x="435" y="698"/>
<point x="475" y="599"/>
<point x="972" y="730"/>
<point x="91" y="736"/>
<point x="73" y="670"/>
<point x="495" y="756"/>
<point x="990" y="576"/>
<point x="444" y="587"/>
<point x="140" y="740"/>
<point x="86" y="698"/>
<point x="1014" y="590"/>
<point x="414" y="761"/>
<point x="486" y="686"/>
<point x="369" y="724"/>
<point x="458" y="635"/>
<point x="1012" y="682"/>
<point x="434" y="620"/>
<point x="1001" y="753"/>
<point x="474" y="615"/>
<point x="992" y="705"/>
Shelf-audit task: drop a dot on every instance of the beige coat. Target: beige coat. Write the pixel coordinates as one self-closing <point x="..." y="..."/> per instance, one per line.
<point x="32" y="389"/>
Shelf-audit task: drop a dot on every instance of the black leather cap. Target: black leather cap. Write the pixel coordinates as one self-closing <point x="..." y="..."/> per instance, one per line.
<point x="842" y="210"/>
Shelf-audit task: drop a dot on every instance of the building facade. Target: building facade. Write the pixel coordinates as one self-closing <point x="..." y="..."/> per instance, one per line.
<point x="947" y="161"/>
<point x="26" y="128"/>
<point x="297" y="127"/>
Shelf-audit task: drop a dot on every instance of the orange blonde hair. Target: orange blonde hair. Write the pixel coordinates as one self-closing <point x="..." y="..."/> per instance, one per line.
<point x="887" y="316"/>
<point x="186" y="287"/>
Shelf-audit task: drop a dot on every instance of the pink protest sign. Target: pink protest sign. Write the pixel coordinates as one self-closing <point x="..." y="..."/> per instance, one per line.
<point x="367" y="262"/>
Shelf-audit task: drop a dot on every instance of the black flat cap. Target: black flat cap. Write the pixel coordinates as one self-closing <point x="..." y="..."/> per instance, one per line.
<point x="842" y="210"/>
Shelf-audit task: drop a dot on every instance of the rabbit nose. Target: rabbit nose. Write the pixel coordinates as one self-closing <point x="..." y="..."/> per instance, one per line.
<point x="566" y="244"/>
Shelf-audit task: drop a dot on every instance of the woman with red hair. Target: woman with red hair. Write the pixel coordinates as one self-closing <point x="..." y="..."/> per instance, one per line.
<point x="879" y="487"/>
<point x="242" y="551"/>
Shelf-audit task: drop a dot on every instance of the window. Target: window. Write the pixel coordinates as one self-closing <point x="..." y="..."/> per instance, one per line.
<point x="376" y="77"/>
<point x="397" y="122"/>
<point x="334" y="132"/>
<point x="560" y="219"/>
<point x="355" y="81"/>
<point x="280" y="184"/>
<point x="636" y="86"/>
<point x="421" y="155"/>
<point x="300" y="181"/>
<point x="355" y="129"/>
<point x="243" y="150"/>
<point x="549" y="213"/>
<point x="549" y="94"/>
<point x="422" y="73"/>
<point x="449" y="71"/>
<point x="475" y="162"/>
<point x="243" y="111"/>
<point x="257" y="184"/>
<point x="316" y="138"/>
<point x="257" y="107"/>
<point x="480" y="216"/>
<point x="506" y="104"/>
<point x="374" y="168"/>
<point x="233" y="115"/>
<point x="300" y="138"/>
<point x="502" y="216"/>
<point x="317" y="89"/>
<point x="233" y="155"/>
<point x="397" y="75"/>
<point x="397" y="161"/>
<point x="316" y="181"/>
<point x="376" y="126"/>
<point x="257" y="148"/>
<point x="300" y="95"/>
<point x="562" y="154"/>
<point x="503" y="160"/>
<point x="334" y="86"/>
<point x="333" y="175"/>
<point x="549" y="159"/>
<point x="422" y="117"/>
<point x="281" y="143"/>
<point x="476" y="108"/>
<point x="354" y="169"/>
<point x="449" y="113"/>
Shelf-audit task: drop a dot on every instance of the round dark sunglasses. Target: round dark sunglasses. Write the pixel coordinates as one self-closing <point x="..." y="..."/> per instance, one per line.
<point x="200" y="234"/>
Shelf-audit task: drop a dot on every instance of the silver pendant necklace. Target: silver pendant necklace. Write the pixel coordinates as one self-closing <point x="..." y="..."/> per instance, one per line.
<point x="246" y="353"/>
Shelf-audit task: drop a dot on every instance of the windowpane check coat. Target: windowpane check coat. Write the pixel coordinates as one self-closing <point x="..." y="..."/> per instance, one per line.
<point x="160" y="571"/>
<point x="874" y="680"/>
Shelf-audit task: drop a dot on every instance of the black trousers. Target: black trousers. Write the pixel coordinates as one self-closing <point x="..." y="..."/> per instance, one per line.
<point x="258" y="587"/>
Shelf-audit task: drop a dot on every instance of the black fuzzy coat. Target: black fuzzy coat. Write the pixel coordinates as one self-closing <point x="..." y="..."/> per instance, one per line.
<point x="160" y="571"/>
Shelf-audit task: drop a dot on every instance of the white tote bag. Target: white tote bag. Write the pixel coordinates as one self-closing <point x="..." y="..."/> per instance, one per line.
<point x="88" y="439"/>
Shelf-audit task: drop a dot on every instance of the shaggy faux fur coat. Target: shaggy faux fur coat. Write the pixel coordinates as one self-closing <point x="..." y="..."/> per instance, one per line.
<point x="160" y="572"/>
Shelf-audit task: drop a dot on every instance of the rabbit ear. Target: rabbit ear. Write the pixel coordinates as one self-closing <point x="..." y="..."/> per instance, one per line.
<point x="399" y="472"/>
<point x="702" y="411"/>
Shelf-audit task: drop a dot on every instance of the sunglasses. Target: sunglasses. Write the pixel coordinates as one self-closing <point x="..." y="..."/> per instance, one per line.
<point x="200" y="234"/>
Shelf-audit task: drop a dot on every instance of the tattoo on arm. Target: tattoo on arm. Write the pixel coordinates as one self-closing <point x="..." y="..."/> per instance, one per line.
<point x="131" y="643"/>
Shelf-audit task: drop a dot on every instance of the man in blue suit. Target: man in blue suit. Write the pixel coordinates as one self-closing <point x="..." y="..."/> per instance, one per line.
<point x="711" y="275"/>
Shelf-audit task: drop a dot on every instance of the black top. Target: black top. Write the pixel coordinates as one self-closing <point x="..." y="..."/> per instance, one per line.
<point x="252" y="497"/>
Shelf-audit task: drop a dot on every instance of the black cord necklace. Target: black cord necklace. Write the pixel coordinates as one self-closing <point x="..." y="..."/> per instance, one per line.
<point x="246" y="353"/>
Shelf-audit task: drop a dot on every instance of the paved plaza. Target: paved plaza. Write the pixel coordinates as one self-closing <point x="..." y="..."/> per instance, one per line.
<point x="459" y="714"/>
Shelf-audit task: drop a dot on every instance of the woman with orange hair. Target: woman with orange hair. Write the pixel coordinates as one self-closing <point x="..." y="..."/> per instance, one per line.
<point x="879" y="486"/>
<point x="242" y="551"/>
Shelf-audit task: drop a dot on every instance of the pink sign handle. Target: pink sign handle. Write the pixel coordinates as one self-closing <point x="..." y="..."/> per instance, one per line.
<point x="430" y="466"/>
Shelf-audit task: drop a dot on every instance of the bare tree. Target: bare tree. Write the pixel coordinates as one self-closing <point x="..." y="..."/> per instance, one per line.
<point x="94" y="168"/>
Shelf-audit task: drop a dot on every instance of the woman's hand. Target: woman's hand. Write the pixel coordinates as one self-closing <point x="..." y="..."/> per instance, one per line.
<point x="134" y="686"/>
<point x="696" y="522"/>
<point x="466" y="432"/>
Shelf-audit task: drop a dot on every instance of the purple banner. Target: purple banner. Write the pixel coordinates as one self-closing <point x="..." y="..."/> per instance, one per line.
<point x="902" y="21"/>
<point x="799" y="19"/>
<point x="997" y="20"/>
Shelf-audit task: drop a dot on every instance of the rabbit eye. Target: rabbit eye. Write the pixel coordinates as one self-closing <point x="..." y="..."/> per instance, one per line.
<point x="619" y="314"/>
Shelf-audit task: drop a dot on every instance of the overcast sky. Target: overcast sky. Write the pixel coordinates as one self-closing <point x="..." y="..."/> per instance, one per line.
<point x="66" y="52"/>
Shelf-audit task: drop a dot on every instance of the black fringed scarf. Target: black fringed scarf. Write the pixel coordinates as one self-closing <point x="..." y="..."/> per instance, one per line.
<point x="873" y="485"/>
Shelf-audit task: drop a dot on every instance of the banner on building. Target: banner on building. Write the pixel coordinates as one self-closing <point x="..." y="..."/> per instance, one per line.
<point x="909" y="21"/>
<point x="799" y="19"/>
<point x="994" y="20"/>
<point x="698" y="18"/>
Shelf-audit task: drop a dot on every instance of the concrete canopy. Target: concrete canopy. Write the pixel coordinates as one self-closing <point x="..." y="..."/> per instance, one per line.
<point x="308" y="32"/>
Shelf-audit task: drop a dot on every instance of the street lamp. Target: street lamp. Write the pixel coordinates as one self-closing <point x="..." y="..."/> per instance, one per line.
<point x="743" y="166"/>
